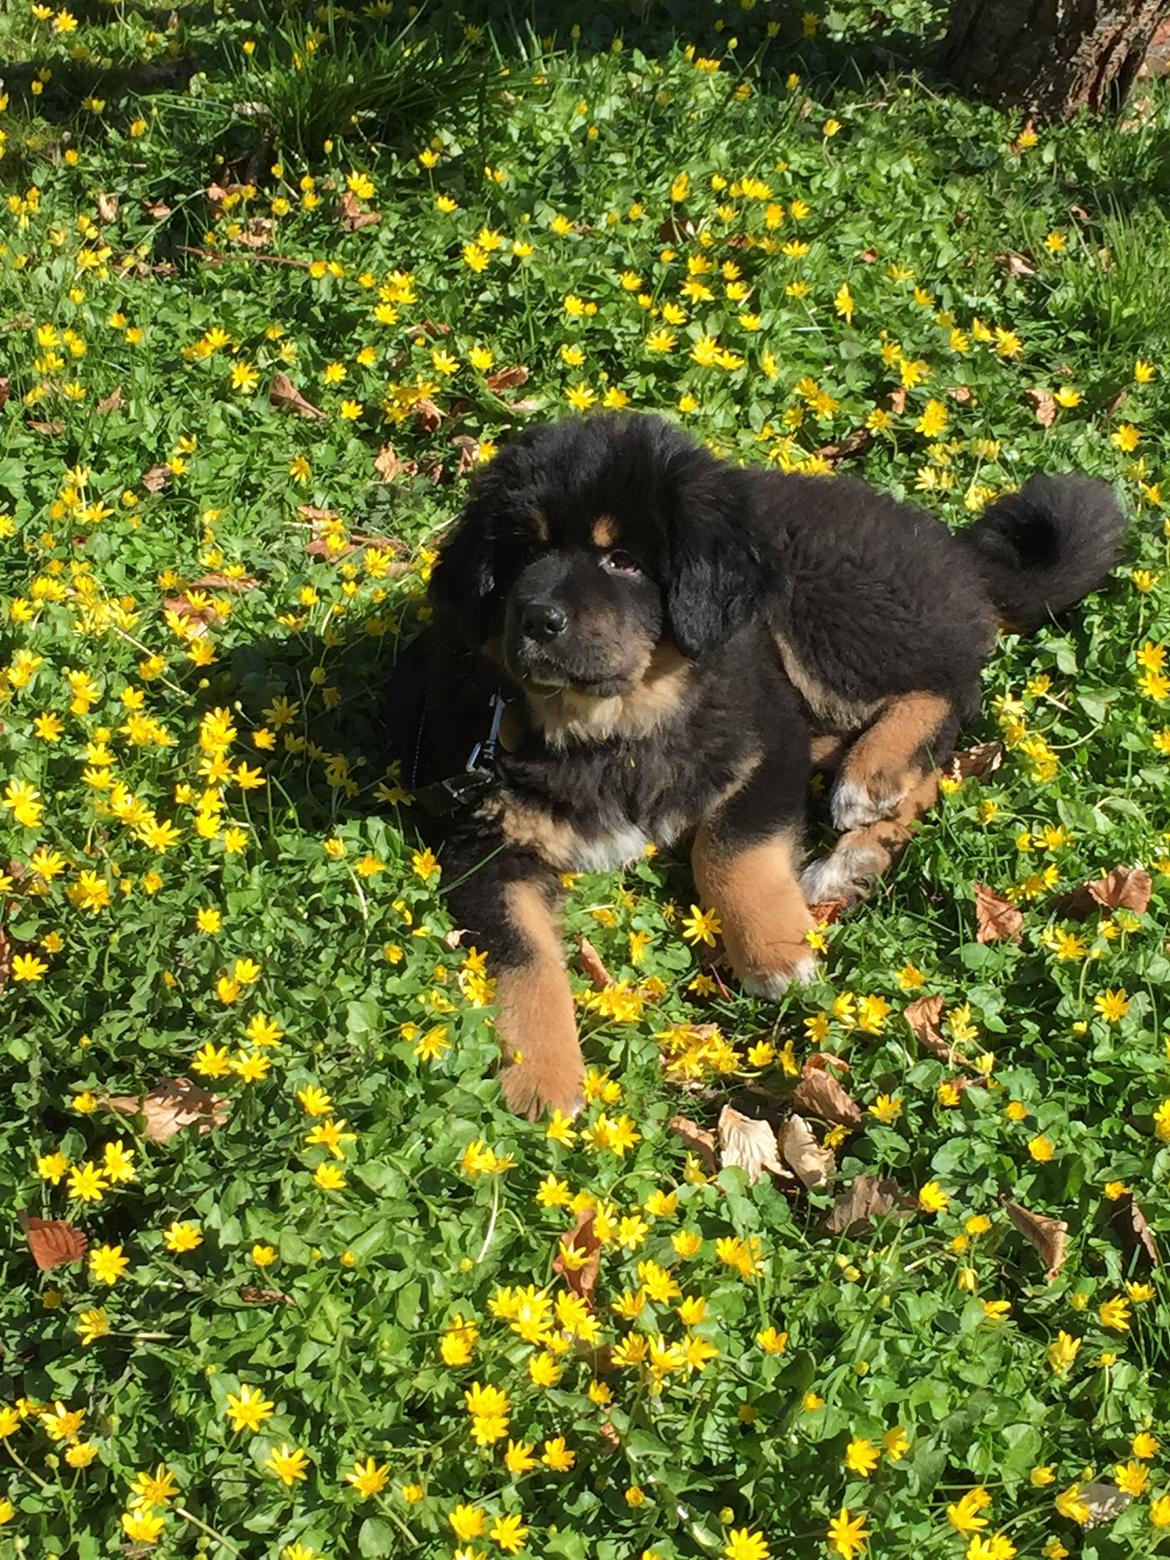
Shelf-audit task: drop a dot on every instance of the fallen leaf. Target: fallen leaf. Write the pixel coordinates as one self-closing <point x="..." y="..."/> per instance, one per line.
<point x="170" y="1106"/>
<point x="50" y="428"/>
<point x="974" y="763"/>
<point x="826" y="912"/>
<point x="238" y="587"/>
<point x="581" y="1280"/>
<point x="468" y="448"/>
<point x="107" y="206"/>
<point x="5" y="959"/>
<point x="1015" y="263"/>
<point x="1115" y="403"/>
<point x="812" y="1163"/>
<point x="959" y="393"/>
<point x="314" y="512"/>
<point x="256" y="1296"/>
<point x="749" y="1144"/>
<point x="924" y="1017"/>
<point x="1125" y="888"/>
<point x="898" y="401"/>
<point x="113" y="402"/>
<point x="196" y="618"/>
<point x="696" y="1140"/>
<point x="869" y="256"/>
<point x="855" y="443"/>
<point x="428" y="414"/>
<point x="156" y="478"/>
<point x="53" y="1242"/>
<point x="1045" y="1233"/>
<point x="506" y="378"/>
<point x="1043" y="406"/>
<point x="819" y="1094"/>
<point x="818" y="1061"/>
<point x="870" y="1197"/>
<point x="285" y="396"/>
<point x="996" y="918"/>
<point x="387" y="464"/>
<point x="1129" y="1225"/>
<point x="1105" y="1501"/>
<point x="352" y="216"/>
<point x="4" y="387"/>
<point x="158" y="209"/>
<point x="592" y="966"/>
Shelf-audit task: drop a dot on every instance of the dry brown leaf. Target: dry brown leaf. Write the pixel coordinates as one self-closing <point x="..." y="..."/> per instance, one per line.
<point x="314" y="512"/>
<point x="592" y="966"/>
<point x="156" y="478"/>
<point x="819" y="1094"/>
<point x="974" y="763"/>
<point x="387" y="464"/>
<point x="158" y="209"/>
<point x="1104" y="1500"/>
<point x="170" y="1106"/>
<point x="1129" y="1225"/>
<point x="696" y="1140"/>
<point x="959" y="393"/>
<point x="855" y="443"/>
<point x="818" y="1061"/>
<point x="113" y="402"/>
<point x="51" y="429"/>
<point x="1043" y="406"/>
<point x="196" y="618"/>
<point x="53" y="1242"/>
<point x="1015" y="264"/>
<point x="5" y="959"/>
<point x="582" y="1280"/>
<point x="350" y="213"/>
<point x="285" y="396"/>
<point x="107" y="206"/>
<point x="996" y="918"/>
<point x="238" y="587"/>
<point x="898" y="401"/>
<point x="506" y="378"/>
<point x="256" y="1296"/>
<point x="468" y="448"/>
<point x="1125" y="888"/>
<point x="428" y="414"/>
<point x="826" y="912"/>
<point x="870" y="1197"/>
<point x="4" y="388"/>
<point x="749" y="1144"/>
<point x="1045" y="1233"/>
<point x="812" y="1163"/>
<point x="924" y="1017"/>
<point x="869" y="256"/>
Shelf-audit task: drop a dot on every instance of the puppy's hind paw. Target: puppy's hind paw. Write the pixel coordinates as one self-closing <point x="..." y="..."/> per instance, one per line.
<point x="849" y="873"/>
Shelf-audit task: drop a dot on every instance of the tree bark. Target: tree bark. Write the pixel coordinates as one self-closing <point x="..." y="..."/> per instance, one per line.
<point x="1050" y="57"/>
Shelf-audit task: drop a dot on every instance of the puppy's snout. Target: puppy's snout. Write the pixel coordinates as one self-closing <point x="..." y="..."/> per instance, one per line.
<point x="543" y="621"/>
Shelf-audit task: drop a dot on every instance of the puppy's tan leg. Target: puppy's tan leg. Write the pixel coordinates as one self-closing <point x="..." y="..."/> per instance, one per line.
<point x="535" y="1024"/>
<point x="863" y="854"/>
<point x="755" y="890"/>
<point x="912" y="733"/>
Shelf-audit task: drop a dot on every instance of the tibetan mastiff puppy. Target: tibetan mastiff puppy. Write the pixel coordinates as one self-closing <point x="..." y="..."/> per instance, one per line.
<point x="634" y="642"/>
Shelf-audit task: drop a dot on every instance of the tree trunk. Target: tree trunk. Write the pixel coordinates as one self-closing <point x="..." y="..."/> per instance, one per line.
<point x="1050" y="57"/>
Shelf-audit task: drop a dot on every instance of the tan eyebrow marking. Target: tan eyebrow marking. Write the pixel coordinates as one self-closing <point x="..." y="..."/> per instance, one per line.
<point x="605" y="531"/>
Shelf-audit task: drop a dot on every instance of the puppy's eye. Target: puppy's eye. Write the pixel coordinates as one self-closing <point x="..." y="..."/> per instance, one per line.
<point x="619" y="563"/>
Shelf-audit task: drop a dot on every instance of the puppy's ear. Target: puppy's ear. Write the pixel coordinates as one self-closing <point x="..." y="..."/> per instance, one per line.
<point x="716" y="572"/>
<point x="463" y="577"/>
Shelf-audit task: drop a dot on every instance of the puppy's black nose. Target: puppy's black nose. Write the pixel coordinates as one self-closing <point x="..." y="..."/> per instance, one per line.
<point x="542" y="620"/>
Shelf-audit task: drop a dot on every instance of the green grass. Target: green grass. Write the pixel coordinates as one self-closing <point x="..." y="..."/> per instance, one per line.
<point x="181" y="306"/>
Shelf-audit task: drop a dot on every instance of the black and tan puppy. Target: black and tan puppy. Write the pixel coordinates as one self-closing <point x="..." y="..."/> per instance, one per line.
<point x="635" y="642"/>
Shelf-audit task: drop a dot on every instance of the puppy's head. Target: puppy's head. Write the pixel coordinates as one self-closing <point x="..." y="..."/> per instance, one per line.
<point x="589" y="544"/>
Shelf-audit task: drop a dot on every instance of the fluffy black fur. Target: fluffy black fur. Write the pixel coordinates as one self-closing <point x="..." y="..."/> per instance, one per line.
<point x="672" y="633"/>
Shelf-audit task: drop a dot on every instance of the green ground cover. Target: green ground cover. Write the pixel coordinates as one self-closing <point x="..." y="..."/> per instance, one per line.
<point x="318" y="1313"/>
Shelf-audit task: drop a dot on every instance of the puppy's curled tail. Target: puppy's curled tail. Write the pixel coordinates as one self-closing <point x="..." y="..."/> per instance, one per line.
<point x="1041" y="549"/>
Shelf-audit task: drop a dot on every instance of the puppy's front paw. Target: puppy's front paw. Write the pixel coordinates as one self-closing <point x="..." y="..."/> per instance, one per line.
<point x="772" y="984"/>
<point x="542" y="1082"/>
<point x="849" y="873"/>
<point x="853" y="805"/>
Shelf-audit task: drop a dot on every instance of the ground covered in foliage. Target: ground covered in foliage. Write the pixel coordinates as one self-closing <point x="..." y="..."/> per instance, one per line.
<point x="281" y="1275"/>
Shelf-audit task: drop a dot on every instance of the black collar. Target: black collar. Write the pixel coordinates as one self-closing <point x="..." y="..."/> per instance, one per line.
<point x="462" y="790"/>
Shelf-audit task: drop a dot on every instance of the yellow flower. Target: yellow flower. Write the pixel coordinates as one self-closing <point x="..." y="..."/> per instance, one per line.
<point x="107" y="1264"/>
<point x="179" y="1236"/>
<point x="1114" y="1314"/>
<point x="702" y="926"/>
<point x="509" y="1533"/>
<point x="467" y="1521"/>
<point x="369" y="1478"/>
<point x="848" y="1535"/>
<point x="248" y="1409"/>
<point x="964" y="1515"/>
<point x="557" y="1456"/>
<point x="288" y="1464"/>
<point x="932" y="1198"/>
<point x="742" y="1544"/>
<point x="862" y="1457"/>
<point x="91" y="1325"/>
<point x="1062" y="1352"/>
<point x="142" y="1525"/>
